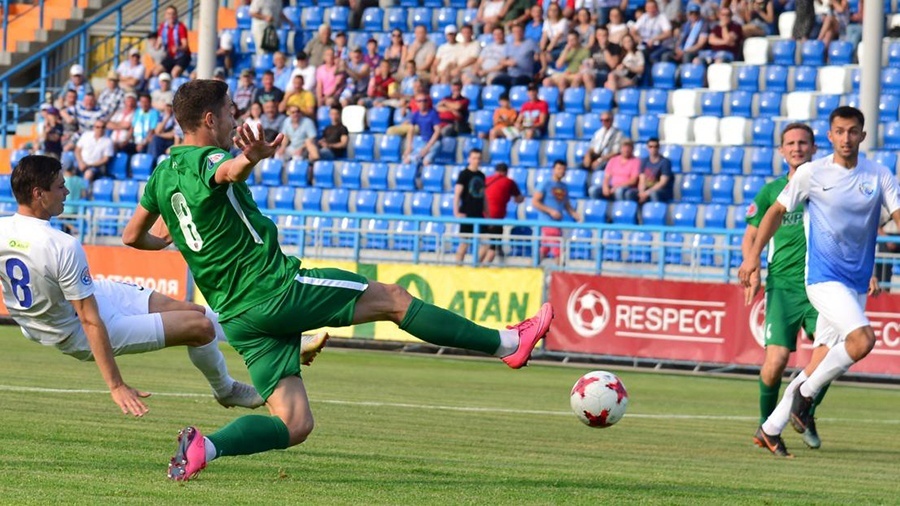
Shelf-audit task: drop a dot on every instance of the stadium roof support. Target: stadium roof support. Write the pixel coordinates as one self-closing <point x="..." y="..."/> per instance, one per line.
<point x="870" y="83"/>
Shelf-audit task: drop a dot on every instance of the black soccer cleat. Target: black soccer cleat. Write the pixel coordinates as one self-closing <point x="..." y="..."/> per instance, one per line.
<point x="811" y="436"/>
<point x="772" y="443"/>
<point x="801" y="411"/>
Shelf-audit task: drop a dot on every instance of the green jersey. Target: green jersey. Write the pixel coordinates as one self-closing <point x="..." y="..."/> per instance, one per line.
<point x="787" y="249"/>
<point x="230" y="247"/>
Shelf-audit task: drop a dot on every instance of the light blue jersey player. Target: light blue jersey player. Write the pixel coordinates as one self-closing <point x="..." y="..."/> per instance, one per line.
<point x="844" y="195"/>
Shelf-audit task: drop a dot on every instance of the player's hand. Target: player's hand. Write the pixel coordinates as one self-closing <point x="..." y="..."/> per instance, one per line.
<point x="129" y="400"/>
<point x="751" y="291"/>
<point x="253" y="145"/>
<point x="748" y="267"/>
<point x="874" y="289"/>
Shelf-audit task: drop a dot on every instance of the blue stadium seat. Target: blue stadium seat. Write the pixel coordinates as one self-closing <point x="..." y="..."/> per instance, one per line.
<point x="704" y="244"/>
<point x="675" y="154"/>
<point x="439" y="92"/>
<point x="783" y="51"/>
<point x="840" y="52"/>
<point x="629" y="101"/>
<point x="893" y="54"/>
<point x="852" y="99"/>
<point x="431" y="236"/>
<point x="684" y="214"/>
<point x="473" y="93"/>
<point x="482" y="121"/>
<point x="421" y="16"/>
<point x="763" y="132"/>
<point x="446" y="151"/>
<point x="541" y="176"/>
<point x="712" y="103"/>
<point x="581" y="244"/>
<point x="405" y="236"/>
<point x="323" y="120"/>
<point x="624" y="212"/>
<point x="595" y="211"/>
<point x="573" y="100"/>
<point x="351" y="175"/>
<point x="373" y="19"/>
<point x="520" y="242"/>
<point x="673" y="248"/>
<point x="656" y="101"/>
<point x="556" y="150"/>
<point x="887" y="108"/>
<point x="377" y="176"/>
<point x="405" y="177"/>
<point x="518" y="95"/>
<point x="262" y="63"/>
<point x="520" y="176"/>
<point x="470" y="143"/>
<point x="347" y="236"/>
<point x="242" y="15"/>
<point x="500" y="152"/>
<point x="761" y="161"/>
<point x="396" y="19"/>
<point x="735" y="242"/>
<point x="601" y="100"/>
<point x="692" y="76"/>
<point x="102" y="190"/>
<point x="654" y="213"/>
<point x="467" y="16"/>
<point x="580" y="149"/>
<point x="564" y="125"/>
<point x="270" y="171"/>
<point x="389" y="148"/>
<point x="126" y="191"/>
<point x="820" y="128"/>
<point x="433" y="178"/>
<point x="826" y="103"/>
<point x="741" y="103"/>
<point x="812" y="52"/>
<point x="886" y="158"/>
<point x="446" y="16"/>
<point x="647" y="127"/>
<point x="663" y="75"/>
<point x="107" y="220"/>
<point x="550" y="94"/>
<point x="590" y="123"/>
<point x="379" y="119"/>
<point x="312" y="18"/>
<point x="739" y="215"/>
<point x="141" y="166"/>
<point x="283" y="197"/>
<point x="297" y="171"/>
<point x="701" y="159"/>
<point x="890" y="80"/>
<point x="731" y="160"/>
<point x="366" y="201"/>
<point x="376" y="233"/>
<point x="490" y="96"/>
<point x="769" y="103"/>
<point x="323" y="174"/>
<point x="748" y="78"/>
<point x="393" y="202"/>
<point x="722" y="189"/>
<point x="856" y="77"/>
<point x="421" y="203"/>
<point x="118" y="166"/>
<point x="338" y="200"/>
<point x="6" y="190"/>
<point x="623" y="122"/>
<point x="805" y="78"/>
<point x="776" y="78"/>
<point x="891" y="135"/>
<point x="612" y="245"/>
<point x="750" y="187"/>
<point x="691" y="187"/>
<point x="576" y="182"/>
<point x="640" y="247"/>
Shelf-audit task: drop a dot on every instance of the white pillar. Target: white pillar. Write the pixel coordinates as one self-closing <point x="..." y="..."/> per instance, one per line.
<point x="208" y="39"/>
<point x="870" y="80"/>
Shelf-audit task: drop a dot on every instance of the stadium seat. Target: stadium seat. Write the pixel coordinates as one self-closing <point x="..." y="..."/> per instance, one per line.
<point x="706" y="130"/>
<point x="684" y="214"/>
<point x="673" y="248"/>
<point x="812" y="52"/>
<point x="482" y="121"/>
<point x="750" y="187"/>
<point x="887" y="108"/>
<point x="840" y="52"/>
<point x="833" y="80"/>
<point x="640" y="247"/>
<point x="541" y="176"/>
<point x="656" y="101"/>
<point x="447" y="150"/>
<point x="775" y="78"/>
<point x="431" y="236"/>
<point x="856" y="79"/>
<point x="676" y="130"/>
<point x="740" y="103"/>
<point x="439" y="92"/>
<point x="654" y="214"/>
<point x="556" y="150"/>
<point x="323" y="174"/>
<point x="663" y="75"/>
<point x="891" y="135"/>
<point x="800" y="105"/>
<point x="611" y="242"/>
<point x="852" y="99"/>
<point x="624" y="212"/>
<point x="262" y="63"/>
<point x="312" y="17"/>
<point x="826" y="103"/>
<point x="748" y="78"/>
<point x="500" y="152"/>
<point x="805" y="78"/>
<point x="373" y="19"/>
<point x="735" y="242"/>
<point x="396" y="19"/>
<point x="107" y="220"/>
<point x="820" y="128"/>
<point x="351" y="175"/>
<point x="470" y="143"/>
<point x="296" y="172"/>
<point x="786" y="24"/>
<point x="893" y="55"/>
<point x="242" y="15"/>
<point x="421" y="16"/>
<point x="490" y="97"/>
<point x="890" y="81"/>
<point x="433" y="178"/>
<point x="379" y="119"/>
<point x="704" y="249"/>
<point x="595" y="211"/>
<point x="601" y="100"/>
<point x="126" y="191"/>
<point x="270" y="171"/>
<point x="733" y="131"/>
<point x="141" y="166"/>
<point x="763" y="131"/>
<point x="886" y="158"/>
<point x="283" y="197"/>
<point x="405" y="177"/>
<point x="421" y="203"/>
<point x="731" y="160"/>
<point x="582" y="245"/>
<point x="590" y="123"/>
<point x="629" y="101"/>
<point x="579" y="149"/>
<point x="366" y="201"/>
<point x="389" y="148"/>
<point x="375" y="233"/>
<point x="338" y="200"/>
<point x="739" y="215"/>
<point x="783" y="52"/>
<point x="473" y="93"/>
<point x="712" y="103"/>
<point x="756" y="51"/>
<point x="393" y="202"/>
<point x="573" y="100"/>
<point x="518" y="95"/>
<point x="468" y="16"/>
<point x="722" y="189"/>
<point x="692" y="76"/>
<point x="376" y="176"/>
<point x="446" y="16"/>
<point x="647" y="127"/>
<point x="761" y="161"/>
<point x="701" y="159"/>
<point x="118" y="166"/>
<point x="769" y="104"/>
<point x="675" y="154"/>
<point x="691" y="187"/>
<point x="623" y="122"/>
<point x="520" y="176"/>
<point x="550" y="94"/>
<point x="405" y="235"/>
<point x="685" y="103"/>
<point x="563" y="125"/>
<point x="102" y="190"/>
<point x="347" y="236"/>
<point x="576" y="183"/>
<point x="720" y="77"/>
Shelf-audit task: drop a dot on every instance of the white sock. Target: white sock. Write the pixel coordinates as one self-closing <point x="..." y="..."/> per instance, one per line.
<point x="209" y="359"/>
<point x="509" y="343"/>
<point x="777" y="421"/>
<point x="836" y="363"/>
<point x="214" y="318"/>
<point x="210" y="449"/>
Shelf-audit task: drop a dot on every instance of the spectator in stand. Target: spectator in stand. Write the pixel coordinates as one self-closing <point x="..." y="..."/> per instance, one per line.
<point x="423" y="52"/>
<point x="159" y="98"/>
<point x="519" y="60"/>
<point x="454" y="112"/>
<point x="570" y="64"/>
<point x="457" y="59"/>
<point x="468" y="202"/>
<point x="758" y="16"/>
<point x="383" y="88"/>
<point x="504" y="120"/>
<point x="243" y="95"/>
<point x="219" y="75"/>
<point x="693" y="36"/>
<point x="725" y="40"/>
<point x="358" y="76"/>
<point x="93" y="151"/>
<point x="584" y="27"/>
<point x="534" y="115"/>
<point x="315" y="48"/>
<point x="499" y="189"/>
<point x="303" y="68"/>
<point x="76" y="82"/>
<point x="552" y="200"/>
<point x="272" y="121"/>
<point x="489" y="14"/>
<point x="604" y="58"/>
<point x="88" y="112"/>
<point x="628" y="72"/>
<point x="225" y="51"/>
<point x="298" y="130"/>
<point x="156" y="52"/>
<point x="254" y="116"/>
<point x="490" y="62"/>
<point x="269" y="92"/>
<point x="329" y="80"/>
<point x="144" y="124"/>
<point x="111" y="97"/>
<point x="605" y="10"/>
<point x="300" y="98"/>
<point x="605" y="144"/>
<point x="371" y="56"/>
<point x="834" y="24"/>
<point x="78" y="189"/>
<point x="69" y="115"/>
<point x="335" y="138"/>
<point x="656" y="181"/>
<point x="341" y="51"/>
<point x="534" y="28"/>
<point x="671" y="9"/>
<point x="620" y="178"/>
<point x="653" y="31"/>
<point x="617" y="27"/>
<point x="280" y="71"/>
<point x="132" y="72"/>
<point x="516" y="12"/>
<point x="411" y="80"/>
<point x="173" y="37"/>
<point x="265" y="13"/>
<point x="427" y="123"/>
<point x="395" y="54"/>
<point x="121" y="124"/>
<point x="553" y="39"/>
<point x="51" y="139"/>
<point x="163" y="134"/>
<point x="408" y="106"/>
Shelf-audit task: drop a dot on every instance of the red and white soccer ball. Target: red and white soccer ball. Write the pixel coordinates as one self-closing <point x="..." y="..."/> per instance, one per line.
<point x="599" y="399"/>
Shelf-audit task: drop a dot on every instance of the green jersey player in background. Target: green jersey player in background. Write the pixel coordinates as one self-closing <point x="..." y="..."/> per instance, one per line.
<point x="266" y="299"/>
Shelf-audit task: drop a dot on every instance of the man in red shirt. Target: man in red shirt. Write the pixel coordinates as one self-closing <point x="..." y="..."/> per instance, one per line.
<point x="454" y="111"/>
<point x="532" y="121"/>
<point x="498" y="190"/>
<point x="173" y="37"/>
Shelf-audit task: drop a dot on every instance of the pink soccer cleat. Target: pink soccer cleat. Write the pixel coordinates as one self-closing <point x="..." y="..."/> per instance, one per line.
<point x="190" y="457"/>
<point x="530" y="332"/>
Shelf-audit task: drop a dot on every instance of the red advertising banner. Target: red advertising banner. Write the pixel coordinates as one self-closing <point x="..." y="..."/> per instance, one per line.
<point x="695" y="322"/>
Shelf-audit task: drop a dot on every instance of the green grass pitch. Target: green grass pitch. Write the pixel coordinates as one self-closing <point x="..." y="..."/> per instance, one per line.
<point x="410" y="429"/>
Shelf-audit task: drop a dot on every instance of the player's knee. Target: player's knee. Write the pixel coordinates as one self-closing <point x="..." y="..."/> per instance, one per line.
<point x="300" y="429"/>
<point x="203" y="331"/>
<point x="400" y="299"/>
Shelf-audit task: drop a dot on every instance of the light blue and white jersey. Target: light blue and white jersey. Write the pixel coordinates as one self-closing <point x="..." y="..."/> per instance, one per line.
<point x="843" y="210"/>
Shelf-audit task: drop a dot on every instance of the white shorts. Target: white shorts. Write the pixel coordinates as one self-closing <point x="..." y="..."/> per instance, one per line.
<point x="131" y="328"/>
<point x="841" y="311"/>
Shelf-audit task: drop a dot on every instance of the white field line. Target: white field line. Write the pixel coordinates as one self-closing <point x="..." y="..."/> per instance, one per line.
<point x="468" y="409"/>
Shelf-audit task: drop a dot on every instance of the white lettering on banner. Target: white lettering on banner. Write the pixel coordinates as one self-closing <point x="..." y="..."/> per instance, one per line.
<point x="887" y="333"/>
<point x="162" y="285"/>
<point x="680" y="324"/>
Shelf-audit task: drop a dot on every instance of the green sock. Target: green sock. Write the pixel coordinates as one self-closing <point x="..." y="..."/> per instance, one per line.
<point x="444" y="328"/>
<point x="250" y="434"/>
<point x="819" y="397"/>
<point x="768" y="399"/>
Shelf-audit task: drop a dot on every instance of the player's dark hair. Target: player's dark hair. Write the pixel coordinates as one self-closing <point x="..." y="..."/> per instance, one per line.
<point x="847" y="112"/>
<point x="33" y="171"/>
<point x="799" y="126"/>
<point x="197" y="97"/>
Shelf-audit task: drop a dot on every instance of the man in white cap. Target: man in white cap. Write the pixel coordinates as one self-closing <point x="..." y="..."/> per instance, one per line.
<point x="132" y="72"/>
<point x="76" y="82"/>
<point x="445" y="60"/>
<point x="164" y="94"/>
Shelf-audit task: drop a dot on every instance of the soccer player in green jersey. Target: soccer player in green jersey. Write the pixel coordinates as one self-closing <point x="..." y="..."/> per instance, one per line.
<point x="266" y="299"/>
<point x="787" y="307"/>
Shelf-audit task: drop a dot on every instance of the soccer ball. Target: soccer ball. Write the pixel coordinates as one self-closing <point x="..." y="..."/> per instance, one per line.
<point x="599" y="399"/>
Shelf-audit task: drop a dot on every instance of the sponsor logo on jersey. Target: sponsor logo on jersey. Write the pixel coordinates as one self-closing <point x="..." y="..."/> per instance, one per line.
<point x="867" y="188"/>
<point x="752" y="210"/>
<point x="213" y="159"/>
<point x="17" y="244"/>
<point x="86" y="278"/>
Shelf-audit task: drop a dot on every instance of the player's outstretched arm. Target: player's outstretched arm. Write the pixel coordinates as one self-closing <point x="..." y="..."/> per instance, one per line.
<point x="767" y="227"/>
<point x="127" y="398"/>
<point x="254" y="148"/>
<point x="137" y="232"/>
<point x="746" y="246"/>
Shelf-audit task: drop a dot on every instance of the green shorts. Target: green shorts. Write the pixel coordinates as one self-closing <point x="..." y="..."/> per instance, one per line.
<point x="786" y="312"/>
<point x="268" y="336"/>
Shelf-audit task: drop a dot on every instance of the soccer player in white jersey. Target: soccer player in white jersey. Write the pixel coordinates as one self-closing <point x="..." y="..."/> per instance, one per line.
<point x="50" y="293"/>
<point x="844" y="195"/>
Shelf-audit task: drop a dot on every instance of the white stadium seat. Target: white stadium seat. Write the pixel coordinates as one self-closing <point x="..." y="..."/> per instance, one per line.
<point x="706" y="130"/>
<point x="733" y="131"/>
<point x="800" y="105"/>
<point x="686" y="103"/>
<point x="756" y="51"/>
<point x="719" y="76"/>
<point x="676" y="130"/>
<point x="833" y="80"/>
<point x="786" y="24"/>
